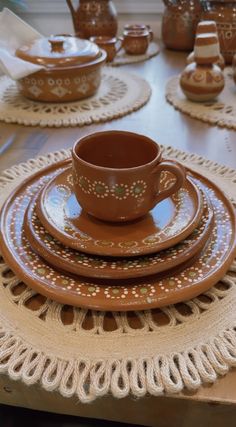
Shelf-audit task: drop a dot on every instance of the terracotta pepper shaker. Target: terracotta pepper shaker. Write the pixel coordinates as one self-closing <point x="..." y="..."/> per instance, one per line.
<point x="203" y="80"/>
<point x="204" y="27"/>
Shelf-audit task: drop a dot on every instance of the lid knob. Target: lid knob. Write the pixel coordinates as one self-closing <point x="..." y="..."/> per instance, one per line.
<point x="57" y="44"/>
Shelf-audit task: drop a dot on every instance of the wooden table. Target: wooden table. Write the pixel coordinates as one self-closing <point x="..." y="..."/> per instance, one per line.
<point x="167" y="126"/>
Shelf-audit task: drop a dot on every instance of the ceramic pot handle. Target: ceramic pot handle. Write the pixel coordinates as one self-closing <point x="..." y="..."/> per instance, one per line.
<point x="119" y="44"/>
<point x="174" y="168"/>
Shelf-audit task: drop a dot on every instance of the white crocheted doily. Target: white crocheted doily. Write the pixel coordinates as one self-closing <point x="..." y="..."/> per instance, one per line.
<point x="123" y="59"/>
<point x="90" y="354"/>
<point x="120" y="94"/>
<point x="221" y="112"/>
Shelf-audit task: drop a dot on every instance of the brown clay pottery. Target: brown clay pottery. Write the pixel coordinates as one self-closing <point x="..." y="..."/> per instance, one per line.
<point x="223" y="12"/>
<point x="203" y="80"/>
<point x="167" y="224"/>
<point x="159" y="290"/>
<point x="204" y="27"/>
<point x="234" y="68"/>
<point x="94" y="18"/>
<point x="111" y="45"/>
<point x="179" y="23"/>
<point x="116" y="175"/>
<point x="79" y="263"/>
<point x="136" y="42"/>
<point x="72" y="69"/>
<point x="139" y="27"/>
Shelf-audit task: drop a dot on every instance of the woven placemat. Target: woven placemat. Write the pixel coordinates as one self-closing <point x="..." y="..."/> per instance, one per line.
<point x="119" y="94"/>
<point x="91" y="354"/>
<point x="123" y="59"/>
<point x="221" y="112"/>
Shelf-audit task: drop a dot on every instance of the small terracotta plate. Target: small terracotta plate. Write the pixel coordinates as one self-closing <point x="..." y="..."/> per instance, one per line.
<point x="120" y="295"/>
<point x="79" y="263"/>
<point x="170" y="222"/>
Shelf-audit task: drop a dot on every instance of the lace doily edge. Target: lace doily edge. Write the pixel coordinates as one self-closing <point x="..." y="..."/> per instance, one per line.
<point x="90" y="379"/>
<point x="201" y="115"/>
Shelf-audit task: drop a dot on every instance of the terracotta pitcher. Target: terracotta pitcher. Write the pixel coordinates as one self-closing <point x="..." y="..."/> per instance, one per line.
<point x="94" y="18"/>
<point x="179" y="23"/>
<point x="223" y="12"/>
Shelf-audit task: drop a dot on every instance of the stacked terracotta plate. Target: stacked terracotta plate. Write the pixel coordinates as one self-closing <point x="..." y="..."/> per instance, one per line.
<point x="178" y="250"/>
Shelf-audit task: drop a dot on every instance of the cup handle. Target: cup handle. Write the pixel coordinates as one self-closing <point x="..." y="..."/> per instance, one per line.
<point x="174" y="168"/>
<point x="150" y="35"/>
<point x="119" y="44"/>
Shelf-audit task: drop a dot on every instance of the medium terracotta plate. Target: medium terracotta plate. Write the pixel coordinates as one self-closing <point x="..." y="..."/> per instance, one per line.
<point x="79" y="263"/>
<point x="126" y="295"/>
<point x="170" y="222"/>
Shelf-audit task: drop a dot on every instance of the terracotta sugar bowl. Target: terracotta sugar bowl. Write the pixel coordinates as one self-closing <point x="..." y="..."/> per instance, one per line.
<point x="72" y="69"/>
<point x="203" y="80"/>
<point x="204" y="27"/>
<point x="94" y="18"/>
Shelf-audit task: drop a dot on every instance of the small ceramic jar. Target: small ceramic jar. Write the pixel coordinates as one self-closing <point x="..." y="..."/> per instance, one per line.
<point x="136" y="42"/>
<point x="203" y="80"/>
<point x="111" y="45"/>
<point x="204" y="27"/>
<point x="139" y="27"/>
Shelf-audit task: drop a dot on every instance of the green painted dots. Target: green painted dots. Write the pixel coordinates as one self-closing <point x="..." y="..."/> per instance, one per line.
<point x="91" y="289"/>
<point x="65" y="282"/>
<point x="115" y="291"/>
<point x="143" y="291"/>
<point x="41" y="271"/>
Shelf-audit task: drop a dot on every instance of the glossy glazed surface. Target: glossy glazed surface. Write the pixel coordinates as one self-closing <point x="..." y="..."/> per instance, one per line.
<point x="179" y="23"/>
<point x="79" y="263"/>
<point x="201" y="82"/>
<point x="94" y="18"/>
<point x="137" y="294"/>
<point x="167" y="224"/>
<point x="224" y="14"/>
<point x="116" y="175"/>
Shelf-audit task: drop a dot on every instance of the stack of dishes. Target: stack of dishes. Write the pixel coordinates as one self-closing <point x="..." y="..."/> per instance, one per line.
<point x="179" y="249"/>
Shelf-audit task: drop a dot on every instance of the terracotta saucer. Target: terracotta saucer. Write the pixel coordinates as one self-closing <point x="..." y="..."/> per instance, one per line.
<point x="170" y="222"/>
<point x="79" y="263"/>
<point x="126" y="295"/>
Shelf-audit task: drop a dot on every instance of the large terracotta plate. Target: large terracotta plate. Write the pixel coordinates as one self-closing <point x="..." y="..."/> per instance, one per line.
<point x="79" y="263"/>
<point x="131" y="294"/>
<point x="167" y="224"/>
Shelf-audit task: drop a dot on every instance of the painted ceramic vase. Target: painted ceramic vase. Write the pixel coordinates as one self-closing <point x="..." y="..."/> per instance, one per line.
<point x="94" y="18"/>
<point x="224" y="14"/>
<point x="203" y="80"/>
<point x="204" y="27"/>
<point x="179" y="23"/>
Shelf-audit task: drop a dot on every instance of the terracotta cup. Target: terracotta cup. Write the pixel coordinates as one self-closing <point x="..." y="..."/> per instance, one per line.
<point x="139" y="27"/>
<point x="111" y="45"/>
<point x="116" y="175"/>
<point x="136" y="42"/>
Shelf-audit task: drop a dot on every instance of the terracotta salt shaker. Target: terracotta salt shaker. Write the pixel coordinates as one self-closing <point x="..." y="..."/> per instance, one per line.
<point x="204" y="27"/>
<point x="203" y="80"/>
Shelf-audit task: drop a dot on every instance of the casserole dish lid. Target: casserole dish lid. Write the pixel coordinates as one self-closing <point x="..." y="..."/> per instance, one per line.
<point x="59" y="51"/>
